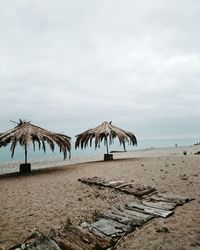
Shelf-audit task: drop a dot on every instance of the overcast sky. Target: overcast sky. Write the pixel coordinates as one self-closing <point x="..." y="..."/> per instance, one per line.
<point x="68" y="65"/>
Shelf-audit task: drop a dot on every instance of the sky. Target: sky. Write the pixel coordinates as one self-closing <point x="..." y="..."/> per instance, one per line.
<point x="69" y="65"/>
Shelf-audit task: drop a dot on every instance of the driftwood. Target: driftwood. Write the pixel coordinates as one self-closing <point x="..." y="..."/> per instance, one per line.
<point x="126" y="187"/>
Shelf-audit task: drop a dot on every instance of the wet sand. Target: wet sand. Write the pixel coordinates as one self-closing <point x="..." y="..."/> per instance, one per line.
<point x="48" y="197"/>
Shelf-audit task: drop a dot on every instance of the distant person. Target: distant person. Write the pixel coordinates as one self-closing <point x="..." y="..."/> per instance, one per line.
<point x="175" y="145"/>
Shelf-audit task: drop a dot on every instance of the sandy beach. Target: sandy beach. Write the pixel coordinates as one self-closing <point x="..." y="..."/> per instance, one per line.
<point x="47" y="198"/>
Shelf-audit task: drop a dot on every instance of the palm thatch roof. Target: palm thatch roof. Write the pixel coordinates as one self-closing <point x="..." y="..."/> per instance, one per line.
<point x="25" y="133"/>
<point x="107" y="132"/>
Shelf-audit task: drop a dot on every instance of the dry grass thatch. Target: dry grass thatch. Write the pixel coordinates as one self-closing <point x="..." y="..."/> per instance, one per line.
<point x="25" y="133"/>
<point x="107" y="132"/>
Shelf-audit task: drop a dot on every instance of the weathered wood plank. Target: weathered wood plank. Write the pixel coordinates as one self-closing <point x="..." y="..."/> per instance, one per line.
<point x="137" y="190"/>
<point x="106" y="227"/>
<point x="39" y="243"/>
<point x="137" y="214"/>
<point x="145" y="192"/>
<point x="124" y="218"/>
<point x="72" y="244"/>
<point x="96" y="181"/>
<point x="111" y="227"/>
<point x="139" y="217"/>
<point x="86" y="226"/>
<point x="101" y="182"/>
<point x="179" y="200"/>
<point x="126" y="187"/>
<point x="149" y="210"/>
<point x="114" y="184"/>
<point x="112" y="224"/>
<point x="159" y="204"/>
<point x="76" y="238"/>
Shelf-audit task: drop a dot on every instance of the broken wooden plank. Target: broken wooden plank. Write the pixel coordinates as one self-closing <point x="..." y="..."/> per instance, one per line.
<point x="91" y="180"/>
<point x="86" y="226"/>
<point x="124" y="218"/>
<point x="149" y="210"/>
<point x="106" y="227"/>
<point x="76" y="238"/>
<point x="99" y="181"/>
<point x="96" y="181"/>
<point x="141" y="218"/>
<point x="137" y="214"/>
<point x="115" y="184"/>
<point x="159" y="204"/>
<point x="123" y="185"/>
<point x="178" y="200"/>
<point x="111" y="228"/>
<point x="126" y="187"/>
<point x="137" y="190"/>
<point x="147" y="191"/>
<point x="39" y="243"/>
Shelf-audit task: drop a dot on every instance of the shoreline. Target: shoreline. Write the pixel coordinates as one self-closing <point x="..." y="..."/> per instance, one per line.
<point x="13" y="166"/>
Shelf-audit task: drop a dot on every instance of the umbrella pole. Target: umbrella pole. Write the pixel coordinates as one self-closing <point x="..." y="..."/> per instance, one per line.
<point x="107" y="157"/>
<point x="25" y="154"/>
<point x="107" y="145"/>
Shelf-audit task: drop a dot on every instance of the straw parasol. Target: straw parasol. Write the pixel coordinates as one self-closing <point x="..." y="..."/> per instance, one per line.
<point x="26" y="133"/>
<point x="105" y="132"/>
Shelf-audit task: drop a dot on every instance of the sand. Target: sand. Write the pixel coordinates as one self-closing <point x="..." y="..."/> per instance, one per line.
<point x="47" y="198"/>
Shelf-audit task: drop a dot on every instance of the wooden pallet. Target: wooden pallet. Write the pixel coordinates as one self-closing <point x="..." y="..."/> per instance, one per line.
<point x="126" y="187"/>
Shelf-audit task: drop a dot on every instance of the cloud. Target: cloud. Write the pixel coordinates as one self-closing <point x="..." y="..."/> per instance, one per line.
<point x="69" y="65"/>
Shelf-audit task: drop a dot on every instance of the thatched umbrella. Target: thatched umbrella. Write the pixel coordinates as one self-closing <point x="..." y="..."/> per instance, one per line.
<point x="105" y="132"/>
<point x="25" y="133"/>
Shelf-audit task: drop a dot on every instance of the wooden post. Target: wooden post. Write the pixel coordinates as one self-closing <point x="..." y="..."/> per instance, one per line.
<point x="25" y="153"/>
<point x="107" y="157"/>
<point x="107" y="145"/>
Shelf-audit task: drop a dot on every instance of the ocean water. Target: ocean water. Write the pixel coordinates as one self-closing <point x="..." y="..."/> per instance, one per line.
<point x="40" y="159"/>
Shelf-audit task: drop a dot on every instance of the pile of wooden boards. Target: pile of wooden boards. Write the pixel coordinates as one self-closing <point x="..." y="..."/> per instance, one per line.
<point x="123" y="186"/>
<point x="109" y="227"/>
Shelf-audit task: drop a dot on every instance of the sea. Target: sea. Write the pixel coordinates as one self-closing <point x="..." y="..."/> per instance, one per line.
<point x="39" y="159"/>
